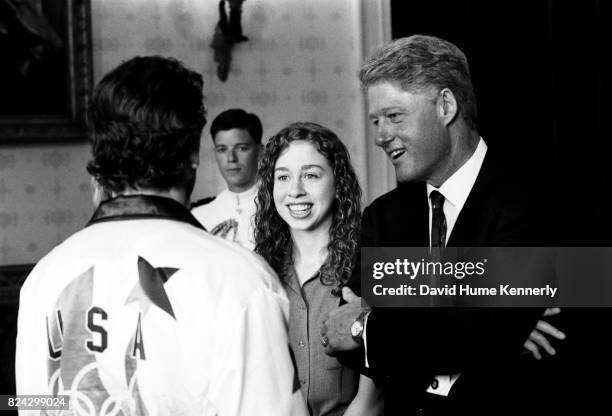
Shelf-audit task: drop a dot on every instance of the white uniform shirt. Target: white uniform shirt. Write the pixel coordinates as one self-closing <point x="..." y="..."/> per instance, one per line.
<point x="230" y="216"/>
<point x="156" y="317"/>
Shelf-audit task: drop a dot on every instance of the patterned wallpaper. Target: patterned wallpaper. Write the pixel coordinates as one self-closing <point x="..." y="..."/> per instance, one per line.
<point x="300" y="63"/>
<point x="44" y="197"/>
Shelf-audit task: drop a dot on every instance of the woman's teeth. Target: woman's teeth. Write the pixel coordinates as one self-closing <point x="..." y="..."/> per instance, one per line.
<point x="299" y="210"/>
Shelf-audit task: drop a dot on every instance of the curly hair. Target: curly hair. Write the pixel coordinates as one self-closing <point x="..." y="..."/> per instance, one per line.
<point x="145" y="121"/>
<point x="272" y="234"/>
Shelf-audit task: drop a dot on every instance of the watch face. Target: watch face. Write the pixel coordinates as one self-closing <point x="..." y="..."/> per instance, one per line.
<point x="356" y="329"/>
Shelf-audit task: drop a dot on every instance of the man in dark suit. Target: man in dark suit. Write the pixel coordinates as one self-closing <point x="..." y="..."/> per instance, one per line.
<point x="452" y="192"/>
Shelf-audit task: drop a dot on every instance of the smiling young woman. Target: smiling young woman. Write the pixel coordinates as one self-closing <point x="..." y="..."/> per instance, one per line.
<point x="307" y="227"/>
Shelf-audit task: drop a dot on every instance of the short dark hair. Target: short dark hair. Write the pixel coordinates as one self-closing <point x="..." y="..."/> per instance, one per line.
<point x="421" y="61"/>
<point x="237" y="118"/>
<point x="145" y="121"/>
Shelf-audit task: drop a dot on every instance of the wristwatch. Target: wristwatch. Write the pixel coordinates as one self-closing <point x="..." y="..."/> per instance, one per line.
<point x="358" y="326"/>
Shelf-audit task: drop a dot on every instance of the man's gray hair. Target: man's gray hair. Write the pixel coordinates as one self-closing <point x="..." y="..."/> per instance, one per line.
<point x="419" y="62"/>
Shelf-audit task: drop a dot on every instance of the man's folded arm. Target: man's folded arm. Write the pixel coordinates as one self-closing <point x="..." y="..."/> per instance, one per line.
<point x="442" y="340"/>
<point x="445" y="340"/>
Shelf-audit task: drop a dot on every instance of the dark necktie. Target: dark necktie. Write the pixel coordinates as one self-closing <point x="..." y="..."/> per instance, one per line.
<point x="438" y="239"/>
<point x="438" y="221"/>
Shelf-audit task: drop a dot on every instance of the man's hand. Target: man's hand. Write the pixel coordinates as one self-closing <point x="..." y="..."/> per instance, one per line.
<point x="336" y="325"/>
<point x="537" y="339"/>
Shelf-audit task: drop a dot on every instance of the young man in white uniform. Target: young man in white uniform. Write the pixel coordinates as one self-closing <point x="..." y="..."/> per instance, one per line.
<point x="143" y="312"/>
<point x="237" y="138"/>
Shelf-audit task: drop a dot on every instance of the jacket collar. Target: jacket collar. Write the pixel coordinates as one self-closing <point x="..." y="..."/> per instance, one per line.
<point x="143" y="207"/>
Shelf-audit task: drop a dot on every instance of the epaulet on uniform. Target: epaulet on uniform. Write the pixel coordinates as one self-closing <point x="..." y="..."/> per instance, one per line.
<point x="202" y="201"/>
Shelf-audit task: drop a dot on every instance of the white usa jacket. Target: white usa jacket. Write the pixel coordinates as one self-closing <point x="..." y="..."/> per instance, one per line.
<point x="144" y="313"/>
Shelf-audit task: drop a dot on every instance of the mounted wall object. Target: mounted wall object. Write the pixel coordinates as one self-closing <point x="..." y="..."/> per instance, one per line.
<point x="45" y="69"/>
<point x="228" y="32"/>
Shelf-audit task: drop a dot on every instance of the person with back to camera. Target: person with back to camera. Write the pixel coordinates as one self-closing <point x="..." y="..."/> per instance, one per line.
<point x="143" y="312"/>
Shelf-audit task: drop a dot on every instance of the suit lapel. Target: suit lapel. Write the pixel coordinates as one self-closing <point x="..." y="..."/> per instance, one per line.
<point x="414" y="227"/>
<point x="472" y="222"/>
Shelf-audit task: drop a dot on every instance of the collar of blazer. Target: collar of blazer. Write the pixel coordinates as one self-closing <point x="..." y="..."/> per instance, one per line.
<point x="142" y="207"/>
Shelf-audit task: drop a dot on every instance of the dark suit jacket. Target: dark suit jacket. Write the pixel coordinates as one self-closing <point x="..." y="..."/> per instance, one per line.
<point x="407" y="347"/>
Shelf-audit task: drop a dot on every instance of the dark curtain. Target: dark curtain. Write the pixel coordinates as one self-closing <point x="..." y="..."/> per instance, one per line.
<point x="542" y="80"/>
<point x="541" y="77"/>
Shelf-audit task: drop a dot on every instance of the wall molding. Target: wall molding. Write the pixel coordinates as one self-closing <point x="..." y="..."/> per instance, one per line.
<point x="376" y="24"/>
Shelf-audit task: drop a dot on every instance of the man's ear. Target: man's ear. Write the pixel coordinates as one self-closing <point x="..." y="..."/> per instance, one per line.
<point x="194" y="159"/>
<point x="447" y="106"/>
<point x="98" y="194"/>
